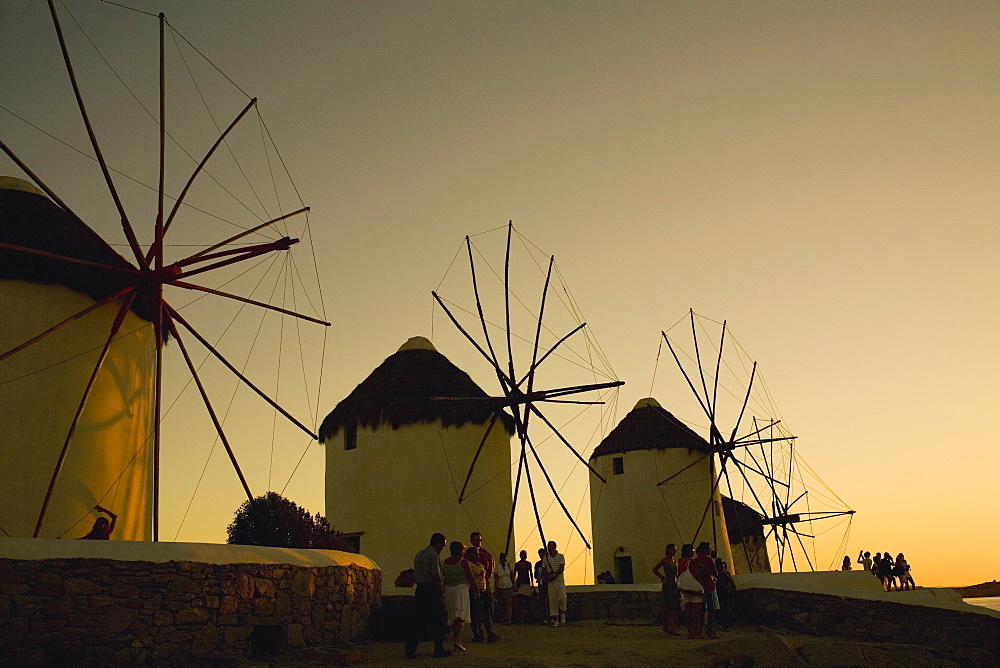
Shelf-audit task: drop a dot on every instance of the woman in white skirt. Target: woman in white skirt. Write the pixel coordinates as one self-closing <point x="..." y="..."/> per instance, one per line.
<point x="458" y="581"/>
<point x="692" y="596"/>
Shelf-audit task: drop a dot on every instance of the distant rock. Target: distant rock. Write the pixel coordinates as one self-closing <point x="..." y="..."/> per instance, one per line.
<point x="979" y="590"/>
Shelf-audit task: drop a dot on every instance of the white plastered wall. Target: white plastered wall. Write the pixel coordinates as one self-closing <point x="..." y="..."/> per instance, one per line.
<point x="400" y="486"/>
<point x="630" y="511"/>
<point x="109" y="457"/>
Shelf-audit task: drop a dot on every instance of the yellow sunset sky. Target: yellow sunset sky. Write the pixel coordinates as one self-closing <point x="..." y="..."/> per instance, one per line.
<point x="822" y="176"/>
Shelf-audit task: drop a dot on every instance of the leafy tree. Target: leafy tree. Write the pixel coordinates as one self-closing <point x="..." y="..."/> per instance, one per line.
<point x="275" y="521"/>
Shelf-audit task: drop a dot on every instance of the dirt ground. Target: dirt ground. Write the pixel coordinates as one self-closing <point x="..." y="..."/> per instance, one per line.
<point x="619" y="643"/>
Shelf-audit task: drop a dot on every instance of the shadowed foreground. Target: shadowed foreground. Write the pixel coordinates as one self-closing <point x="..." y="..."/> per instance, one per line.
<point x="597" y="643"/>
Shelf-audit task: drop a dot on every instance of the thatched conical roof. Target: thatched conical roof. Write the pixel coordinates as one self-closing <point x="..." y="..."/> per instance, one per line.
<point x="399" y="392"/>
<point x="649" y="427"/>
<point x="31" y="220"/>
<point x="741" y="520"/>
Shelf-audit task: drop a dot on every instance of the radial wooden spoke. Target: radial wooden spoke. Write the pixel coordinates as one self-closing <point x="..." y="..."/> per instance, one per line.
<point x="535" y="365"/>
<point x="64" y="258"/>
<point x="739" y="521"/>
<point x="555" y="492"/>
<point x="475" y="457"/>
<point x="538" y="329"/>
<point x="469" y="337"/>
<point x="755" y="441"/>
<point x="541" y="395"/>
<point x="269" y="246"/>
<point x="753" y="492"/>
<point x="506" y="301"/>
<point x="691" y="465"/>
<point x="799" y="497"/>
<point x="220" y="293"/>
<point x="685" y="373"/>
<point x="795" y="531"/>
<point x="711" y="500"/>
<point x="264" y="249"/>
<point x="126" y="226"/>
<point x="533" y="409"/>
<point x="521" y="460"/>
<point x="697" y="356"/>
<point x="718" y="367"/>
<point x="825" y="515"/>
<point x="479" y="303"/>
<point x="176" y="316"/>
<point x="158" y="228"/>
<point x="534" y="501"/>
<point x="119" y="319"/>
<point x="248" y="232"/>
<point x="38" y="182"/>
<point x="57" y="326"/>
<point x="157" y="407"/>
<point x="211" y="412"/>
<point x="523" y="438"/>
<point x="204" y="161"/>
<point x="746" y="400"/>
<point x="757" y="468"/>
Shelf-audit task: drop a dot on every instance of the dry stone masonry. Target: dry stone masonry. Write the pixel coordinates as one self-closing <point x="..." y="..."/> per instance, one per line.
<point x="70" y="610"/>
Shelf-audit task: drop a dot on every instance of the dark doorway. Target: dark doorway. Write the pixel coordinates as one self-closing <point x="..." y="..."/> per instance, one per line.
<point x="623" y="568"/>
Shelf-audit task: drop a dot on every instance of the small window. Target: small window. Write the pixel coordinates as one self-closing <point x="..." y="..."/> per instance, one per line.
<point x="354" y="540"/>
<point x="619" y="465"/>
<point x="350" y="436"/>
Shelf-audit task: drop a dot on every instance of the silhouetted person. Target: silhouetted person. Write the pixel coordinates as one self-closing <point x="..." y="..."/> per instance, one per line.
<point x="725" y="589"/>
<point x="670" y="595"/>
<point x="707" y="574"/>
<point x="102" y="528"/>
<point x="429" y="606"/>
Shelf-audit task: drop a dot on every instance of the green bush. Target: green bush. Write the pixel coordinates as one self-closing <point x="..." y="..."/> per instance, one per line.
<point x="274" y="521"/>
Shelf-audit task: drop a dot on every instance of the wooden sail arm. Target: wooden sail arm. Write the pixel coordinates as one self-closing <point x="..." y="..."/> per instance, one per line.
<point x="535" y="365"/>
<point x="119" y="319"/>
<point x="65" y="258"/>
<point x="126" y="226"/>
<point x="555" y="492"/>
<point x="211" y="411"/>
<point x="508" y="382"/>
<point x="58" y="325"/>
<point x="281" y="244"/>
<point x="204" y="161"/>
<point x="177" y="316"/>
<point x="772" y="423"/>
<point x="479" y="303"/>
<point x="475" y="457"/>
<point x="794" y="518"/>
<point x="220" y="293"/>
<point x="194" y="259"/>
<point x="247" y="232"/>
<point x="551" y="426"/>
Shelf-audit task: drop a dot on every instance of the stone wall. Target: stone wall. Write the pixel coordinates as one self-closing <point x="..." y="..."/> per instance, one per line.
<point x="605" y="602"/>
<point x="873" y="620"/>
<point x="78" y="609"/>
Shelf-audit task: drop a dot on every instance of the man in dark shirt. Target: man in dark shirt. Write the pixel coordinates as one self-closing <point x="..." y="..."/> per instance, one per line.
<point x="429" y="607"/>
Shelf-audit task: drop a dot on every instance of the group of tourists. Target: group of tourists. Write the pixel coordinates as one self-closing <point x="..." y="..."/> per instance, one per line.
<point x="890" y="572"/>
<point x="699" y="584"/>
<point x="469" y="587"/>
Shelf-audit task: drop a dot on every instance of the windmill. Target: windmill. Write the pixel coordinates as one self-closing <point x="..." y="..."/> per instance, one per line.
<point x="129" y="313"/>
<point x="757" y="456"/>
<point x="506" y="331"/>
